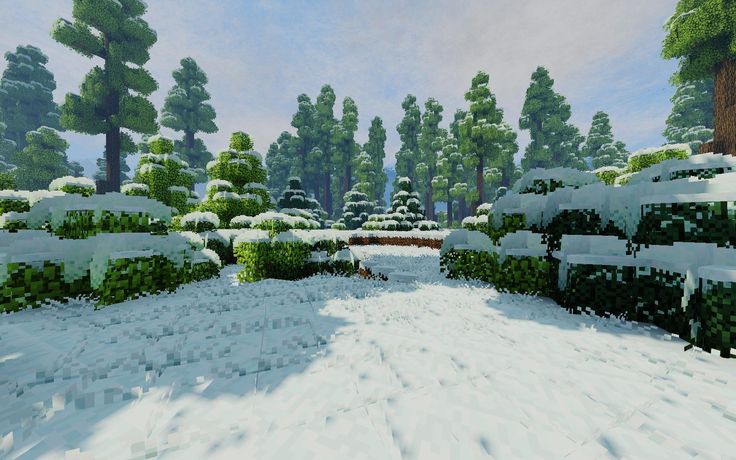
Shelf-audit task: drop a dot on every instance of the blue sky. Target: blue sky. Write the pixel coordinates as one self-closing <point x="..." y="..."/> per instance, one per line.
<point x="259" y="55"/>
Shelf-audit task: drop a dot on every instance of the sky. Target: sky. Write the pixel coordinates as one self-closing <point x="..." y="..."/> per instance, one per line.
<point x="260" y="55"/>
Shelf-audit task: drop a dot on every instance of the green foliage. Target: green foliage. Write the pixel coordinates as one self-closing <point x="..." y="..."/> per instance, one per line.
<point x="356" y="210"/>
<point x="524" y="275"/>
<point x="470" y="265"/>
<point x="241" y="142"/>
<point x="376" y="150"/>
<point x="227" y="207"/>
<point x="42" y="160"/>
<point x="14" y="205"/>
<point x="431" y="140"/>
<point x="185" y="109"/>
<point x="608" y="175"/>
<point x="605" y="290"/>
<point x="600" y="144"/>
<point x="127" y="148"/>
<point x="554" y="142"/>
<point x="27" y="285"/>
<point x="345" y="149"/>
<point x="111" y="97"/>
<point x="26" y="100"/>
<point x="701" y="34"/>
<point x="691" y="119"/>
<point x="719" y="316"/>
<point x="649" y="157"/>
<point x="408" y="155"/>
<point x="81" y="224"/>
<point x="704" y="222"/>
<point x="485" y="139"/>
<point x="279" y="260"/>
<point x="131" y="278"/>
<point x="278" y="162"/>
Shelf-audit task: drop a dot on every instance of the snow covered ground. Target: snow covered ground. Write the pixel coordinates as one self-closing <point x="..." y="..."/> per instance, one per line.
<point x="354" y="369"/>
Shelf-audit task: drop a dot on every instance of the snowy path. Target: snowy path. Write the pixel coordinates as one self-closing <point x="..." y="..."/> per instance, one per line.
<point x="354" y="369"/>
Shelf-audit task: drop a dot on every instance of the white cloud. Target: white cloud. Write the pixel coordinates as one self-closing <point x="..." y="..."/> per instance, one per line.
<point x="260" y="56"/>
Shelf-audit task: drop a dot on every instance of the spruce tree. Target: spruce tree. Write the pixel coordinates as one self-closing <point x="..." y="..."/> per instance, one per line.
<point x="408" y="129"/>
<point x="405" y="203"/>
<point x="355" y="211"/>
<point x="26" y="99"/>
<point x="691" y="119"/>
<point x="485" y="139"/>
<point x="42" y="160"/>
<point x="600" y="146"/>
<point x="127" y="148"/>
<point x="112" y="97"/>
<point x="278" y="163"/>
<point x="376" y="150"/>
<point x="431" y="140"/>
<point x="324" y="126"/>
<point x="364" y="174"/>
<point x="305" y="141"/>
<point x="701" y="34"/>
<point x="295" y="198"/>
<point x="345" y="147"/>
<point x="554" y="142"/>
<point x="186" y="109"/>
<point x="450" y="170"/>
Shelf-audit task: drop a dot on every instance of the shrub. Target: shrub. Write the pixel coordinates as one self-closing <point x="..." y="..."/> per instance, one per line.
<point x="645" y="158"/>
<point x="74" y="185"/>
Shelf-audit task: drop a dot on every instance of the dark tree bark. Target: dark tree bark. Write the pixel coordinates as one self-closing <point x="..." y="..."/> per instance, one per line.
<point x="327" y="205"/>
<point x="479" y="185"/>
<point x="724" y="109"/>
<point x="463" y="209"/>
<point x="112" y="136"/>
<point x="189" y="140"/>
<point x="428" y="202"/>
<point x="449" y="208"/>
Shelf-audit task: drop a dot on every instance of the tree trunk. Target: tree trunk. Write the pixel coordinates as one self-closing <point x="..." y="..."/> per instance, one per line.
<point x="189" y="141"/>
<point x="449" y="209"/>
<point x="346" y="180"/>
<point x="724" y="108"/>
<point x="112" y="136"/>
<point x="429" y="202"/>
<point x="479" y="186"/>
<point x="463" y="209"/>
<point x="328" y="193"/>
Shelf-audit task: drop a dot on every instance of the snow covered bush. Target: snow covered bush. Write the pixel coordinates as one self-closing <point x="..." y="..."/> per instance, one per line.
<point x="356" y="210"/>
<point x="11" y="200"/>
<point x="133" y="189"/>
<point x="542" y="181"/>
<point x="645" y="158"/>
<point x="168" y="178"/>
<point x="241" y="222"/>
<point x="13" y="220"/>
<point x="276" y="222"/>
<point x="608" y="174"/>
<point x="74" y="185"/>
<point x="405" y="211"/>
<point x="294" y="198"/>
<point x="199" y="221"/>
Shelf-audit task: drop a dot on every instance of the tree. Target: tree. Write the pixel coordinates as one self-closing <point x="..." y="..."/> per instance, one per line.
<point x="485" y="139"/>
<point x="365" y="175"/>
<point x="376" y="150"/>
<point x="294" y="198"/>
<point x="324" y="125"/>
<point x="7" y="152"/>
<point x="345" y="147"/>
<point x="701" y="34"/>
<point x="408" y="129"/>
<point x="278" y="163"/>
<point x="185" y="109"/>
<point x="450" y="170"/>
<point x="355" y="211"/>
<point x="600" y="146"/>
<point x="26" y="98"/>
<point x="431" y="140"/>
<point x="114" y="31"/>
<point x="126" y="148"/>
<point x="691" y="119"/>
<point x="405" y="201"/>
<point x="305" y="141"/>
<point x="554" y="142"/>
<point x="42" y="160"/>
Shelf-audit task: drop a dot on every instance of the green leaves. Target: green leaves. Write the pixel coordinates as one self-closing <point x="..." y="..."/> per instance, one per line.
<point x="42" y="160"/>
<point x="701" y="33"/>
<point x="78" y="37"/>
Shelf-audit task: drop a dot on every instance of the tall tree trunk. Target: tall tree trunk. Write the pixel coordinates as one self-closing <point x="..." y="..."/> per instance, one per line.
<point x="479" y="186"/>
<point x="346" y="180"/>
<point x="428" y="200"/>
<point x="449" y="208"/>
<point x="189" y="141"/>
<point x="328" y="193"/>
<point x="112" y="159"/>
<point x="463" y="209"/>
<point x="724" y="108"/>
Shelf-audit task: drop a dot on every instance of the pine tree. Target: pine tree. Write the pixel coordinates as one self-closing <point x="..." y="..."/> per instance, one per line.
<point x="114" y="31"/>
<point x="701" y="34"/>
<point x="485" y="139"/>
<point x="691" y="119"/>
<point x="324" y="126"/>
<point x="450" y="170"/>
<point x="295" y="198"/>
<point x="185" y="109"/>
<point x="356" y="210"/>
<point x="364" y="174"/>
<point x="26" y="98"/>
<point x="554" y="142"/>
<point x="127" y="148"/>
<point x="600" y="146"/>
<point x="408" y="129"/>
<point x="345" y="147"/>
<point x="405" y="201"/>
<point x="42" y="160"/>
<point x="278" y="163"/>
<point x="376" y="150"/>
<point x="305" y="141"/>
<point x="431" y="140"/>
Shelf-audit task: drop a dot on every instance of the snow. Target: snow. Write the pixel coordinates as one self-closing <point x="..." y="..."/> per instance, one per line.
<point x="334" y="367"/>
<point x="218" y="184"/>
<point x="198" y="216"/>
<point x="85" y="182"/>
<point x="134" y="186"/>
<point x="651" y="150"/>
<point x="232" y="196"/>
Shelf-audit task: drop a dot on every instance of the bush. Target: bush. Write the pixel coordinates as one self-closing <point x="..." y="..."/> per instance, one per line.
<point x="645" y="158"/>
<point x="74" y="185"/>
<point x="199" y="222"/>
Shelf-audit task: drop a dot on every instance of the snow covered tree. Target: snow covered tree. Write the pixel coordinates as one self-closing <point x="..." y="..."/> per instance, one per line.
<point x="278" y="163"/>
<point x="186" y="109"/>
<point x="295" y="198"/>
<point x="485" y="139"/>
<point x="237" y="181"/>
<point x="111" y="97"/>
<point x="406" y="201"/>
<point x="691" y="119"/>
<point x="600" y="146"/>
<point x="26" y="99"/>
<point x="702" y="35"/>
<point x="450" y="170"/>
<point x="168" y="178"/>
<point x="554" y="142"/>
<point x="42" y="160"/>
<point x="356" y="210"/>
<point x="364" y="174"/>
<point x="431" y="140"/>
<point x="324" y="125"/>
<point x="345" y="147"/>
<point x="376" y="150"/>
<point x="408" y="155"/>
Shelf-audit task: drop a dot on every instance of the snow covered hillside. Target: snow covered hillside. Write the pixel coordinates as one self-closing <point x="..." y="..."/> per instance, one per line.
<point x="347" y="368"/>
